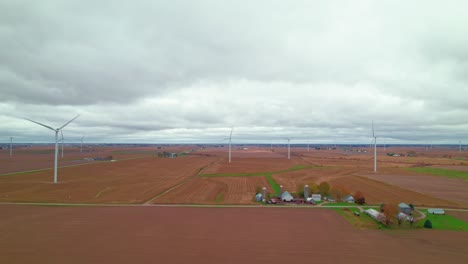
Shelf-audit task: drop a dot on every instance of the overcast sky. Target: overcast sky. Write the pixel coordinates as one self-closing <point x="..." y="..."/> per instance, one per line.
<point x="188" y="71"/>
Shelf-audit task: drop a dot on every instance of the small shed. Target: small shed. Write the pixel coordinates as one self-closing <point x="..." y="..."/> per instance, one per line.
<point x="311" y="200"/>
<point x="404" y="208"/>
<point x="258" y="197"/>
<point x="286" y="197"/>
<point x="317" y="197"/>
<point x="436" y="211"/>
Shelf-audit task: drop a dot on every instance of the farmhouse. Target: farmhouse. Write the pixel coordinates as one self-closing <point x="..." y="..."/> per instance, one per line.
<point x="404" y="208"/>
<point x="286" y="197"/>
<point x="348" y="198"/>
<point x="436" y="211"/>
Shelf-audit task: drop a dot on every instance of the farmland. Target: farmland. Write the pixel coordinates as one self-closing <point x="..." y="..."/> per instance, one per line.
<point x="210" y="235"/>
<point x="205" y="177"/>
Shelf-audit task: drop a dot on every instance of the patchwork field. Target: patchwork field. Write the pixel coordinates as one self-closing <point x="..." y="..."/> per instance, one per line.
<point x="124" y="181"/>
<point x="148" y="234"/>
<point x="205" y="176"/>
<point x="377" y="192"/>
<point x="444" y="188"/>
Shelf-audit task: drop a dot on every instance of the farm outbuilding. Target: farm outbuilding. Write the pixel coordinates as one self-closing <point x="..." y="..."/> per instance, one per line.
<point x="348" y="198"/>
<point x="286" y="197"/>
<point x="436" y="211"/>
<point x="404" y="208"/>
<point x="317" y="197"/>
<point x="258" y="197"/>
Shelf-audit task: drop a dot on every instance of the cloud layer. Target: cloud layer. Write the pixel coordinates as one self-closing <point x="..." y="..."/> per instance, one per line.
<point x="187" y="71"/>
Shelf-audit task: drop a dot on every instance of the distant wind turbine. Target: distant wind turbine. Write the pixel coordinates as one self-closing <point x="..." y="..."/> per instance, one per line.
<point x="459" y="145"/>
<point x="289" y="148"/>
<point x="81" y="148"/>
<point x="56" y="130"/>
<point x="11" y="146"/>
<point x="230" y="140"/>
<point x="375" y="148"/>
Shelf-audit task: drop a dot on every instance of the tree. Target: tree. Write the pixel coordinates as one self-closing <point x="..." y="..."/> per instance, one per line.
<point x="359" y="197"/>
<point x="427" y="224"/>
<point x="390" y="211"/>
<point x="313" y="188"/>
<point x="411" y="206"/>
<point x="339" y="192"/>
<point x="258" y="189"/>
<point x="324" y="188"/>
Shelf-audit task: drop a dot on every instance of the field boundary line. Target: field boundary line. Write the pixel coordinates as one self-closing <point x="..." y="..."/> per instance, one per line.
<point x="148" y="202"/>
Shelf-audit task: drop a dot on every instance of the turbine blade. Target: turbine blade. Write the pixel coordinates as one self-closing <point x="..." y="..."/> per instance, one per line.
<point x="46" y="126"/>
<point x="373" y="134"/>
<point x="62" y="134"/>
<point x="69" y="122"/>
<point x="230" y="135"/>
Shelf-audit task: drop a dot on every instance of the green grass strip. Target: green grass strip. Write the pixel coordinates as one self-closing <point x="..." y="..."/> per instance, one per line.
<point x="220" y="197"/>
<point x="274" y="185"/>
<point x="444" y="222"/>
<point x="441" y="172"/>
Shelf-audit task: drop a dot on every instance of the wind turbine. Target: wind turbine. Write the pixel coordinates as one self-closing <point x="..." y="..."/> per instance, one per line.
<point x="81" y="148"/>
<point x="459" y="145"/>
<point x="375" y="148"/>
<point x="289" y="148"/>
<point x="230" y="139"/>
<point x="56" y="130"/>
<point x="308" y="145"/>
<point x="61" y="132"/>
<point x="11" y="146"/>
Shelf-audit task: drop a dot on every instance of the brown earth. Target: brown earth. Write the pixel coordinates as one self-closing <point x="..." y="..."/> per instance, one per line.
<point x="125" y="181"/>
<point x="246" y="165"/>
<point x="203" y="190"/>
<point x="377" y="192"/>
<point x="445" y="188"/>
<point x="211" y="235"/>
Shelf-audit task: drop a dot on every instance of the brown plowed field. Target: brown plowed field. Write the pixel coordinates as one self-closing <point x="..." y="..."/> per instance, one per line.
<point x="377" y="192"/>
<point x="125" y="181"/>
<point x="211" y="235"/>
<point x="455" y="190"/>
<point x="246" y="165"/>
<point x="42" y="157"/>
<point x="204" y="190"/>
<point x="291" y="180"/>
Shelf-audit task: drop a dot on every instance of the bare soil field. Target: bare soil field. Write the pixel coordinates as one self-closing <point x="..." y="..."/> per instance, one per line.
<point x="227" y="190"/>
<point x="125" y="181"/>
<point x="458" y="214"/>
<point x="42" y="157"/>
<point x="377" y="192"/>
<point x="252" y="165"/>
<point x="455" y="190"/>
<point x="210" y="235"/>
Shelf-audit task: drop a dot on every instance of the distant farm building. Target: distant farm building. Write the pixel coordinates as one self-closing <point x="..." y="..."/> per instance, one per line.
<point x="348" y="198"/>
<point x="404" y="208"/>
<point x="317" y="197"/>
<point x="436" y="211"/>
<point x="258" y="197"/>
<point x="286" y="197"/>
<point x="374" y="214"/>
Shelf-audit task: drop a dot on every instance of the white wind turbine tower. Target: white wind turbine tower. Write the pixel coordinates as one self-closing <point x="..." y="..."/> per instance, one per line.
<point x="11" y="146"/>
<point x="289" y="148"/>
<point x="230" y="139"/>
<point x="56" y="130"/>
<point x="375" y="148"/>
<point x="61" y="132"/>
